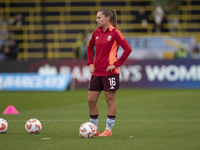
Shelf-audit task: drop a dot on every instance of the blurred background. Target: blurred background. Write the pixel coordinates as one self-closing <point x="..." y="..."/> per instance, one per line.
<point x="51" y="37"/>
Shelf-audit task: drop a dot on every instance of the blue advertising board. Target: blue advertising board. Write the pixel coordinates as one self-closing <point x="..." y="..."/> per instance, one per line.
<point x="33" y="82"/>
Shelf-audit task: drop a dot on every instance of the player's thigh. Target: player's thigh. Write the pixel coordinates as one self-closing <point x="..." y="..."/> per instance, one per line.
<point x="93" y="96"/>
<point x="110" y="96"/>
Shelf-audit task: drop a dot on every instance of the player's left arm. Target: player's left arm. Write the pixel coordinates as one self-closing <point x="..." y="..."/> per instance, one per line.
<point x="126" y="47"/>
<point x="110" y="68"/>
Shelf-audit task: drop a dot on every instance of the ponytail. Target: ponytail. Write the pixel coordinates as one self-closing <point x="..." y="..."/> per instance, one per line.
<point x="113" y="20"/>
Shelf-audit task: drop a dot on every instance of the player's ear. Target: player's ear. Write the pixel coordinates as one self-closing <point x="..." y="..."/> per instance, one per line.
<point x="108" y="18"/>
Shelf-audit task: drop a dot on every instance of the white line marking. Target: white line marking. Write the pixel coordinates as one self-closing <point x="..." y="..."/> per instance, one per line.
<point x="134" y="120"/>
<point x="46" y="138"/>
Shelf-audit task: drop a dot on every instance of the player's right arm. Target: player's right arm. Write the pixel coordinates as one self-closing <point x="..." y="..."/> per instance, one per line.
<point x="91" y="68"/>
<point x="90" y="49"/>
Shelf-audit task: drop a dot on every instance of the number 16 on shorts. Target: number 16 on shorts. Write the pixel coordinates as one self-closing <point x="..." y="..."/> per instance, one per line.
<point x="112" y="82"/>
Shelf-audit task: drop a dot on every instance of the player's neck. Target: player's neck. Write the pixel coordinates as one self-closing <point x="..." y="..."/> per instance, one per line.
<point x="106" y="27"/>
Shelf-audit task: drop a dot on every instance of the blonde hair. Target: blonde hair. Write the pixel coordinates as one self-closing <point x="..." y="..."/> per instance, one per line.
<point x="112" y="14"/>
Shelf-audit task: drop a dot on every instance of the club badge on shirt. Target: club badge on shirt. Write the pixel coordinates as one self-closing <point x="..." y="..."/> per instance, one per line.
<point x="96" y="38"/>
<point x="109" y="38"/>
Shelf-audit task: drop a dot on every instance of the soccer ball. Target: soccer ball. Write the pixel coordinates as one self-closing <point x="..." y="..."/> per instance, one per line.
<point x="3" y="126"/>
<point x="87" y="130"/>
<point x="33" y="126"/>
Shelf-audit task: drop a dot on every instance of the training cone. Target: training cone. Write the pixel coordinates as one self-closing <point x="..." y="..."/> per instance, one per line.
<point x="11" y="110"/>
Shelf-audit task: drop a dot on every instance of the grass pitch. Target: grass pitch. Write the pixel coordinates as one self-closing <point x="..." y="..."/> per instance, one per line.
<point x="147" y="119"/>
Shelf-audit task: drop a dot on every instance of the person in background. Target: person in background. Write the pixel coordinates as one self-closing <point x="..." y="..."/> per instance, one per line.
<point x="195" y="53"/>
<point x="174" y="12"/>
<point x="104" y="67"/>
<point x="4" y="20"/>
<point x="4" y="23"/>
<point x="159" y="19"/>
<point x="182" y="53"/>
<point x="142" y="16"/>
<point x="10" y="50"/>
<point x="81" y="52"/>
<point x="18" y="23"/>
<point x="19" y="20"/>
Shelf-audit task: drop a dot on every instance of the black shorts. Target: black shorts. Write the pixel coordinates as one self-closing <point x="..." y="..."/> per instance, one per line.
<point x="106" y="83"/>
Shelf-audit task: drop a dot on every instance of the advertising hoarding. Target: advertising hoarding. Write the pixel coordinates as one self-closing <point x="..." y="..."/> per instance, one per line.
<point x="133" y="73"/>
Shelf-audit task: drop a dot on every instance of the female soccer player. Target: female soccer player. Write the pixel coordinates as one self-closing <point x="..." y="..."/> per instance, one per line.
<point x="104" y="68"/>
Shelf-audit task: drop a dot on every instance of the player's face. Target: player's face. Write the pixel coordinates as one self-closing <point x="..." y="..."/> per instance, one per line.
<point x="101" y="19"/>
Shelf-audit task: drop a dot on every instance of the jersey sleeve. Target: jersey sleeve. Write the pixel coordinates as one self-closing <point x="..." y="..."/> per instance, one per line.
<point x="126" y="47"/>
<point x="90" y="49"/>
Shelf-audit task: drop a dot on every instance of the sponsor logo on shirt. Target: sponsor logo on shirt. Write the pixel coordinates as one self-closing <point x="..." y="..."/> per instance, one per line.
<point x="109" y="38"/>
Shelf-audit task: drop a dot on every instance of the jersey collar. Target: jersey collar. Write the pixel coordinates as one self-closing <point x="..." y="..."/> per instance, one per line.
<point x="110" y="28"/>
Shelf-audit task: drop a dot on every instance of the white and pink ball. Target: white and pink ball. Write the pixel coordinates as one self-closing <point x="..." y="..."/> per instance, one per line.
<point x="33" y="126"/>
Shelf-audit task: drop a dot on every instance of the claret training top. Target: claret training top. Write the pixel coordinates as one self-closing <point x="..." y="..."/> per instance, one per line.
<point x="106" y="47"/>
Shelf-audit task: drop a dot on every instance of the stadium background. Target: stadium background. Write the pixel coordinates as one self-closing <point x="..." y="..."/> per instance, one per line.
<point x="54" y="34"/>
<point x="158" y="103"/>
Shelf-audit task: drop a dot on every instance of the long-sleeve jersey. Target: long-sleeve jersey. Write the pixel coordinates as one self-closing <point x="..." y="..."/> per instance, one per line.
<point x="106" y="47"/>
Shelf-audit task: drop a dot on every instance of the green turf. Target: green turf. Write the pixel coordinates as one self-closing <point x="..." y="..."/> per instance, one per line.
<point x="147" y="119"/>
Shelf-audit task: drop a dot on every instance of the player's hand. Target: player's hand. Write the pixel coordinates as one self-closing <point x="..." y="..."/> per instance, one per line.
<point x="110" y="68"/>
<point x="91" y="68"/>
